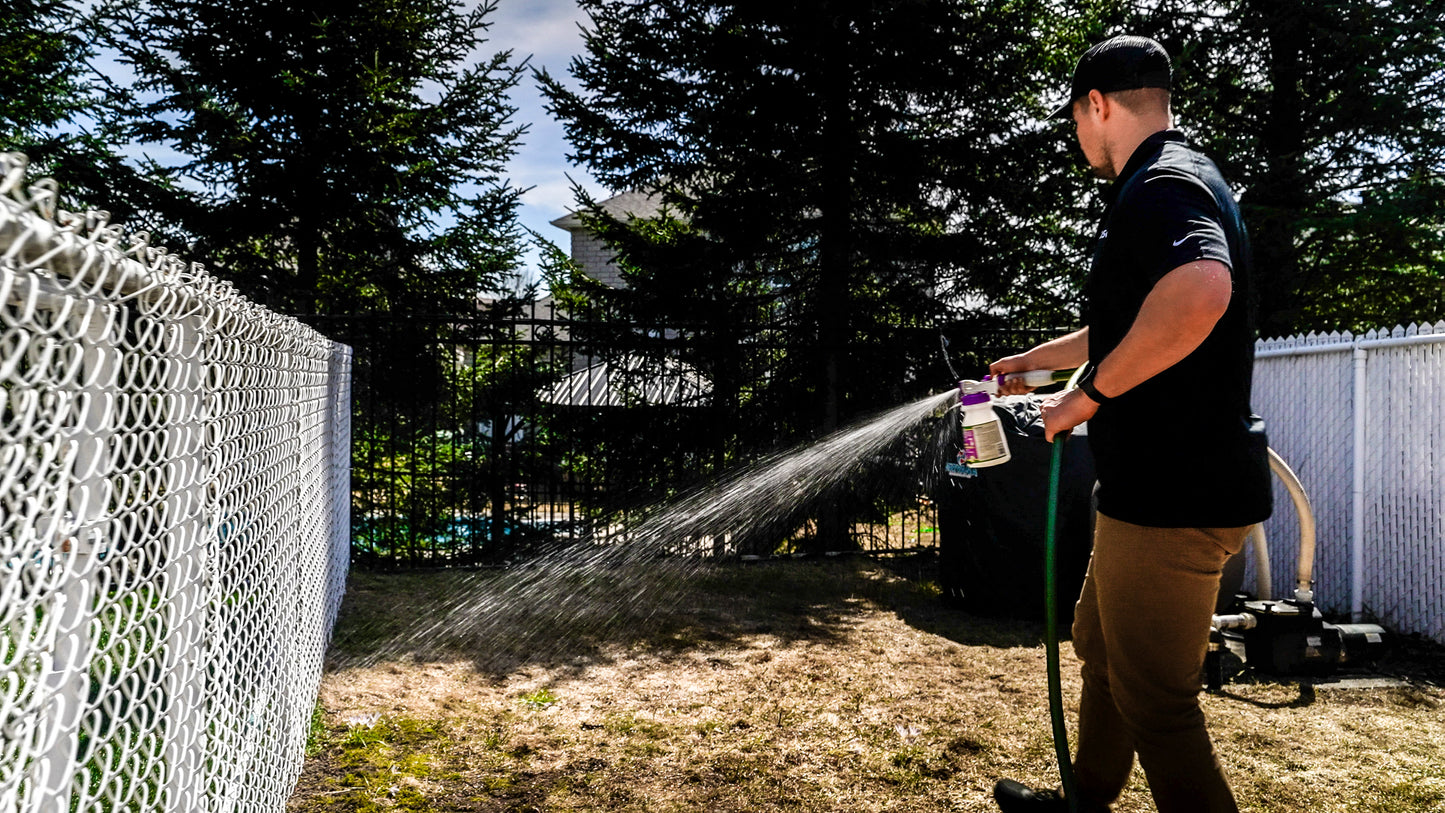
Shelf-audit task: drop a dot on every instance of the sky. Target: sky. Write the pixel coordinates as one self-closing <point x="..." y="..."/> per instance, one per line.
<point x="547" y="31"/>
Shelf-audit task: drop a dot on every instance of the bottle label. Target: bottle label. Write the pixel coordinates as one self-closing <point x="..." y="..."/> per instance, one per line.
<point x="960" y="467"/>
<point x="984" y="442"/>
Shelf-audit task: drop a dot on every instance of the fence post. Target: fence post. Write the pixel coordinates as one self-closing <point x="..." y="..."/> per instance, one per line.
<point x="1357" y="494"/>
<point x="338" y="503"/>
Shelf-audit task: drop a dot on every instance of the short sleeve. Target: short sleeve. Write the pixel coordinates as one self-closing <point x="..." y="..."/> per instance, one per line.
<point x="1179" y="222"/>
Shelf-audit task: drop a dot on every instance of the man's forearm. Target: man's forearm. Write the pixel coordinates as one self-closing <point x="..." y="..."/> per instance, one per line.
<point x="1062" y="353"/>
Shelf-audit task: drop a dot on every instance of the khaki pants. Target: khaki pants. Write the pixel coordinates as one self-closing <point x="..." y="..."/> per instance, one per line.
<point x="1141" y="629"/>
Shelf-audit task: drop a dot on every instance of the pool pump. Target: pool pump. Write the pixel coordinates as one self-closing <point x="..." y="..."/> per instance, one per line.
<point x="1288" y="637"/>
<point x="1292" y="638"/>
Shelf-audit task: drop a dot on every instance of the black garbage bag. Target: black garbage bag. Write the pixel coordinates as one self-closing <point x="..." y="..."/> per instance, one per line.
<point x="991" y="526"/>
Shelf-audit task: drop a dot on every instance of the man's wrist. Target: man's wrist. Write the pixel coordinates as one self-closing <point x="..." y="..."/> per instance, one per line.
<point x="1086" y="385"/>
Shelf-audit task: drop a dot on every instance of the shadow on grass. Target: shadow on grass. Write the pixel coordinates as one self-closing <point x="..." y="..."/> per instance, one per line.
<point x="1306" y="698"/>
<point x="569" y="619"/>
<point x="936" y="617"/>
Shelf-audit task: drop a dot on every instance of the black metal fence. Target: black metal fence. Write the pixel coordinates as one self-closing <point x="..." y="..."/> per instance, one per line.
<point x="479" y="439"/>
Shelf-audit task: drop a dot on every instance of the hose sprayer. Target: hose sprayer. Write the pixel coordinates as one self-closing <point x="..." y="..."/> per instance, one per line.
<point x="984" y="441"/>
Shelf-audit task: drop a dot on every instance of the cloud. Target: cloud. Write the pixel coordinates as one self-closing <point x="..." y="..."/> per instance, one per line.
<point x="552" y="199"/>
<point x="546" y="31"/>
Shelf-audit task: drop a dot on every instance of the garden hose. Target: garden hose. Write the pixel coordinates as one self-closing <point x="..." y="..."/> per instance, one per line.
<point x="1051" y="626"/>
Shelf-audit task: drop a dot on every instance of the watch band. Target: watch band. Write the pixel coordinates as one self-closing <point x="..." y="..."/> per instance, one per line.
<point x="1086" y="383"/>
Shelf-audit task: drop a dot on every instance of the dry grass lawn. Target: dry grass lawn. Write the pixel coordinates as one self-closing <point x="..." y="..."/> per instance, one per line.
<point x="836" y="685"/>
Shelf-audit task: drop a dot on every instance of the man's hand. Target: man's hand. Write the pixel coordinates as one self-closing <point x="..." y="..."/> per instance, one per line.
<point x="1063" y="411"/>
<point x="1011" y="364"/>
<point x="1063" y="353"/>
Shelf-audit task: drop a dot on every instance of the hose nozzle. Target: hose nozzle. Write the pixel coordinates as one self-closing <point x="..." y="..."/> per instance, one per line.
<point x="1030" y="378"/>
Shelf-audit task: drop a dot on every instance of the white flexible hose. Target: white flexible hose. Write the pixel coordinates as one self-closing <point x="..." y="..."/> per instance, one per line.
<point x="1263" y="590"/>
<point x="1304" y="589"/>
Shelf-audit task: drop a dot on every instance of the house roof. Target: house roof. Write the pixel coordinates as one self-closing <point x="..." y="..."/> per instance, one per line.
<point x="635" y="203"/>
<point x="629" y="381"/>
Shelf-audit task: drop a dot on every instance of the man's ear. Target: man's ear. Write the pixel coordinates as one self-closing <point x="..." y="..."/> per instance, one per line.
<point x="1100" y="105"/>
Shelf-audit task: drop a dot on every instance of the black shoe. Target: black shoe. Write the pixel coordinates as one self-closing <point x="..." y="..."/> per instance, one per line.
<point x="1015" y="798"/>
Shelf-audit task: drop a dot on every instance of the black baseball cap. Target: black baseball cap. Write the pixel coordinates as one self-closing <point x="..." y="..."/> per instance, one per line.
<point x="1124" y="62"/>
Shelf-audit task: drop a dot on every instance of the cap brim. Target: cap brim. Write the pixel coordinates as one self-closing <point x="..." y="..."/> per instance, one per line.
<point x="1065" y="111"/>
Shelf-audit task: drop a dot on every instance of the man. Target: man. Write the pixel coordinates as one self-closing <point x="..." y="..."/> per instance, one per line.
<point x="1181" y="461"/>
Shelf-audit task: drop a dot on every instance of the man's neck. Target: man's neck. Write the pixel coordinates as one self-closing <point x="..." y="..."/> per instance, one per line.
<point x="1127" y="142"/>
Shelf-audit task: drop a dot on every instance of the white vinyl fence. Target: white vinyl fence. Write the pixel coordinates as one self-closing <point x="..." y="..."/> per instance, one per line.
<point x="174" y="498"/>
<point x="1361" y="419"/>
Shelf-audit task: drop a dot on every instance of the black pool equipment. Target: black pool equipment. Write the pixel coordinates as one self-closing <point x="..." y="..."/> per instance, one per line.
<point x="1292" y="638"/>
<point x="1288" y="637"/>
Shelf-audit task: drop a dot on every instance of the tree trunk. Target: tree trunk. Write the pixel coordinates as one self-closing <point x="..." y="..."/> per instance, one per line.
<point x="834" y="253"/>
<point x="1280" y="198"/>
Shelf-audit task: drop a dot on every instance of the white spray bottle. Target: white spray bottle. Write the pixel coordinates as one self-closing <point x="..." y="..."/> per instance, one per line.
<point x="984" y="442"/>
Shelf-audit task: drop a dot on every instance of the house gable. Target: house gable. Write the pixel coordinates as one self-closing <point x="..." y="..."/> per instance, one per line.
<point x="596" y="259"/>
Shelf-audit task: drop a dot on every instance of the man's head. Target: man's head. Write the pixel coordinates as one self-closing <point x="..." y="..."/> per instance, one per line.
<point x="1119" y="96"/>
<point x="1119" y="63"/>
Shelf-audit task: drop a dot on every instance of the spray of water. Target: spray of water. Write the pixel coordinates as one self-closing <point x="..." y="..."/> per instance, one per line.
<point x="622" y="578"/>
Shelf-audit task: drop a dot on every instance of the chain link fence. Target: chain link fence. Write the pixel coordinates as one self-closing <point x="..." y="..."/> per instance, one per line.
<point x="174" y="522"/>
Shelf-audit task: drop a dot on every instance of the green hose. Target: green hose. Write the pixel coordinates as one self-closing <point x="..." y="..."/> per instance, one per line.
<point x="1051" y="627"/>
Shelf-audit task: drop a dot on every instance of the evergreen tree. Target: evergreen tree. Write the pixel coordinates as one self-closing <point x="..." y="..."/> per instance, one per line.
<point x="52" y="108"/>
<point x="838" y="177"/>
<point x="845" y="173"/>
<point x="349" y="154"/>
<point x="1330" y="119"/>
<point x="42" y="65"/>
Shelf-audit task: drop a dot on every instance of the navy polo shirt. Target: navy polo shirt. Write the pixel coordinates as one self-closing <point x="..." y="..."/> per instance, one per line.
<point x="1183" y="449"/>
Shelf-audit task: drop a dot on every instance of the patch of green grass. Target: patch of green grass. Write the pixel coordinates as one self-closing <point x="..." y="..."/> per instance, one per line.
<point x="915" y="764"/>
<point x="652" y="729"/>
<point x="735" y="768"/>
<point x="645" y="749"/>
<point x="541" y="698"/>
<point x="1423" y="790"/>
<point x="316" y="733"/>
<point x="495" y="737"/>
<point x="706" y="727"/>
<point x="383" y="765"/>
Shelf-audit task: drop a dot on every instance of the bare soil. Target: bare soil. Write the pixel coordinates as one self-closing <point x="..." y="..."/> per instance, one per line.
<point x="832" y="685"/>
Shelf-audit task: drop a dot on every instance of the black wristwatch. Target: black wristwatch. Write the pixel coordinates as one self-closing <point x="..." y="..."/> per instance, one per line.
<point x="1086" y="383"/>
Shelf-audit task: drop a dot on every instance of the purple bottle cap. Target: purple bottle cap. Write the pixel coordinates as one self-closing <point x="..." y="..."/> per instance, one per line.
<point x="974" y="398"/>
